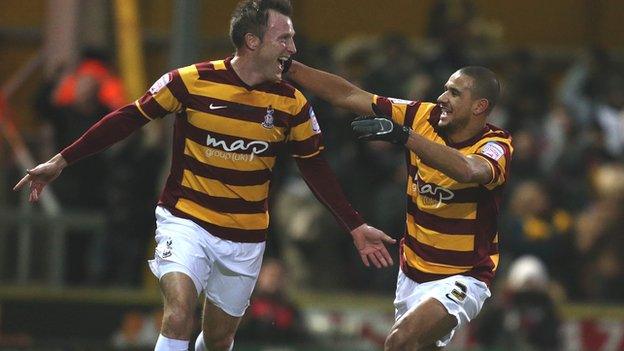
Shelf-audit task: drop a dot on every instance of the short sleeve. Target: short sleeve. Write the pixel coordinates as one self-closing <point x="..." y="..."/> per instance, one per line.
<point x="498" y="154"/>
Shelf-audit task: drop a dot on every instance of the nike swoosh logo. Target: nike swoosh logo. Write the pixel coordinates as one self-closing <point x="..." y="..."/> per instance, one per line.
<point x="215" y="107"/>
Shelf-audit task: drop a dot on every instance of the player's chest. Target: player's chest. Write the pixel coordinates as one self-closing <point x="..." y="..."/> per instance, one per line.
<point x="238" y="122"/>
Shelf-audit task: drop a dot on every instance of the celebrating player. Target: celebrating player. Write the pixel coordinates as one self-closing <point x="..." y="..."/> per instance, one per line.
<point x="231" y="117"/>
<point x="457" y="166"/>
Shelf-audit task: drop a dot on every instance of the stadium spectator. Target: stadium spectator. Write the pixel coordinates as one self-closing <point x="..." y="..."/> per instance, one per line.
<point x="387" y="75"/>
<point x="533" y="226"/>
<point x="564" y="159"/>
<point x="300" y="224"/>
<point x="273" y="318"/>
<point x="525" y="90"/>
<point x="523" y="316"/>
<point x="457" y="166"/>
<point x="232" y="118"/>
<point x="68" y="104"/>
<point x="598" y="238"/>
<point x="526" y="150"/>
<point x="571" y="154"/>
<point x="594" y="90"/>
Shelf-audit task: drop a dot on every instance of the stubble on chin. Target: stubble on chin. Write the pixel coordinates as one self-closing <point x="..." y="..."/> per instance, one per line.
<point x="448" y="127"/>
<point x="443" y="126"/>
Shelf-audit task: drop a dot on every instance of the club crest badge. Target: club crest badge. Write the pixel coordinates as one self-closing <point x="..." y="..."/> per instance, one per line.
<point x="268" y="118"/>
<point x="163" y="250"/>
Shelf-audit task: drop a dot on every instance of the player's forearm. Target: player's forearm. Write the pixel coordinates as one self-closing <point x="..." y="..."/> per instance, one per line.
<point x="323" y="183"/>
<point x="443" y="158"/>
<point x="112" y="128"/>
<point x="330" y="87"/>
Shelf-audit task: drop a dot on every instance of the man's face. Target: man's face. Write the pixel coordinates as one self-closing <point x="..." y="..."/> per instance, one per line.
<point x="277" y="46"/>
<point x="456" y="102"/>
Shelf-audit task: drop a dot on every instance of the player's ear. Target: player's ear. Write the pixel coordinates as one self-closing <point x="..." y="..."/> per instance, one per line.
<point x="252" y="42"/>
<point x="480" y="106"/>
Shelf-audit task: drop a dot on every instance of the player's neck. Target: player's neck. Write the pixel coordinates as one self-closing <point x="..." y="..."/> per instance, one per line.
<point x="466" y="133"/>
<point x="246" y="71"/>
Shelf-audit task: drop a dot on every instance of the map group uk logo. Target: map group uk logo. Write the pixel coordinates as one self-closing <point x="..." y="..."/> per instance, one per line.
<point x="220" y="148"/>
<point x="433" y="194"/>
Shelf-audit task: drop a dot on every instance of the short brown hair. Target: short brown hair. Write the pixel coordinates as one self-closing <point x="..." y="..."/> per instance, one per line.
<point x="251" y="16"/>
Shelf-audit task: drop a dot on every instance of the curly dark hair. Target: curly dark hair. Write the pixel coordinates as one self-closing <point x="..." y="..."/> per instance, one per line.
<point x="251" y="16"/>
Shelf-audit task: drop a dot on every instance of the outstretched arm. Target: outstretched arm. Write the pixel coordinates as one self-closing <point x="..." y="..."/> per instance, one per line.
<point x="368" y="240"/>
<point x="332" y="88"/>
<point x="112" y="128"/>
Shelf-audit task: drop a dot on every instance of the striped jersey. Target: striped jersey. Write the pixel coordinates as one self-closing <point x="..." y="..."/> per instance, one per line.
<point x="226" y="139"/>
<point x="451" y="227"/>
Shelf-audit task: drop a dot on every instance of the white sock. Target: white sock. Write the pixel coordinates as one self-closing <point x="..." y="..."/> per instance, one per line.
<point x="200" y="346"/>
<point x="165" y="344"/>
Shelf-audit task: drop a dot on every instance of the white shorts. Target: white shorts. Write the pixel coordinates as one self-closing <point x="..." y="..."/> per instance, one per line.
<point x="226" y="271"/>
<point x="462" y="296"/>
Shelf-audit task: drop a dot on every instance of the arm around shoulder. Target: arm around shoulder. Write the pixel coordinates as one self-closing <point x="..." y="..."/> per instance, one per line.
<point x="332" y="88"/>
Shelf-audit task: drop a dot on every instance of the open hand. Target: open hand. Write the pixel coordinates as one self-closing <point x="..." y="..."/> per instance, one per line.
<point x="40" y="176"/>
<point x="369" y="241"/>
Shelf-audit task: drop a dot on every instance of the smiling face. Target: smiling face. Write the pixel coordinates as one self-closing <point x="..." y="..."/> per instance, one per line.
<point x="276" y="46"/>
<point x="457" y="102"/>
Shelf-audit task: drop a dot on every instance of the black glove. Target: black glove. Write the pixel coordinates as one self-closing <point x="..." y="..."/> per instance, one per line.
<point x="380" y="128"/>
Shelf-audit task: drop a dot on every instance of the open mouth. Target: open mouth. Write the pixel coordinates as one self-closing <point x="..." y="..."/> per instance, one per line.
<point x="281" y="62"/>
<point x="445" y="111"/>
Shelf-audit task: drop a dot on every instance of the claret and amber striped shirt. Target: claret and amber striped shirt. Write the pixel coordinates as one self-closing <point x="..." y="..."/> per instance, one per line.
<point x="451" y="227"/>
<point x="226" y="139"/>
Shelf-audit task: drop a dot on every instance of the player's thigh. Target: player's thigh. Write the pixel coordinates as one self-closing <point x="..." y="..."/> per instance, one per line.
<point x="425" y="324"/>
<point x="180" y="249"/>
<point x="229" y="289"/>
<point x="179" y="293"/>
<point x="234" y="275"/>
<point x="218" y="325"/>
